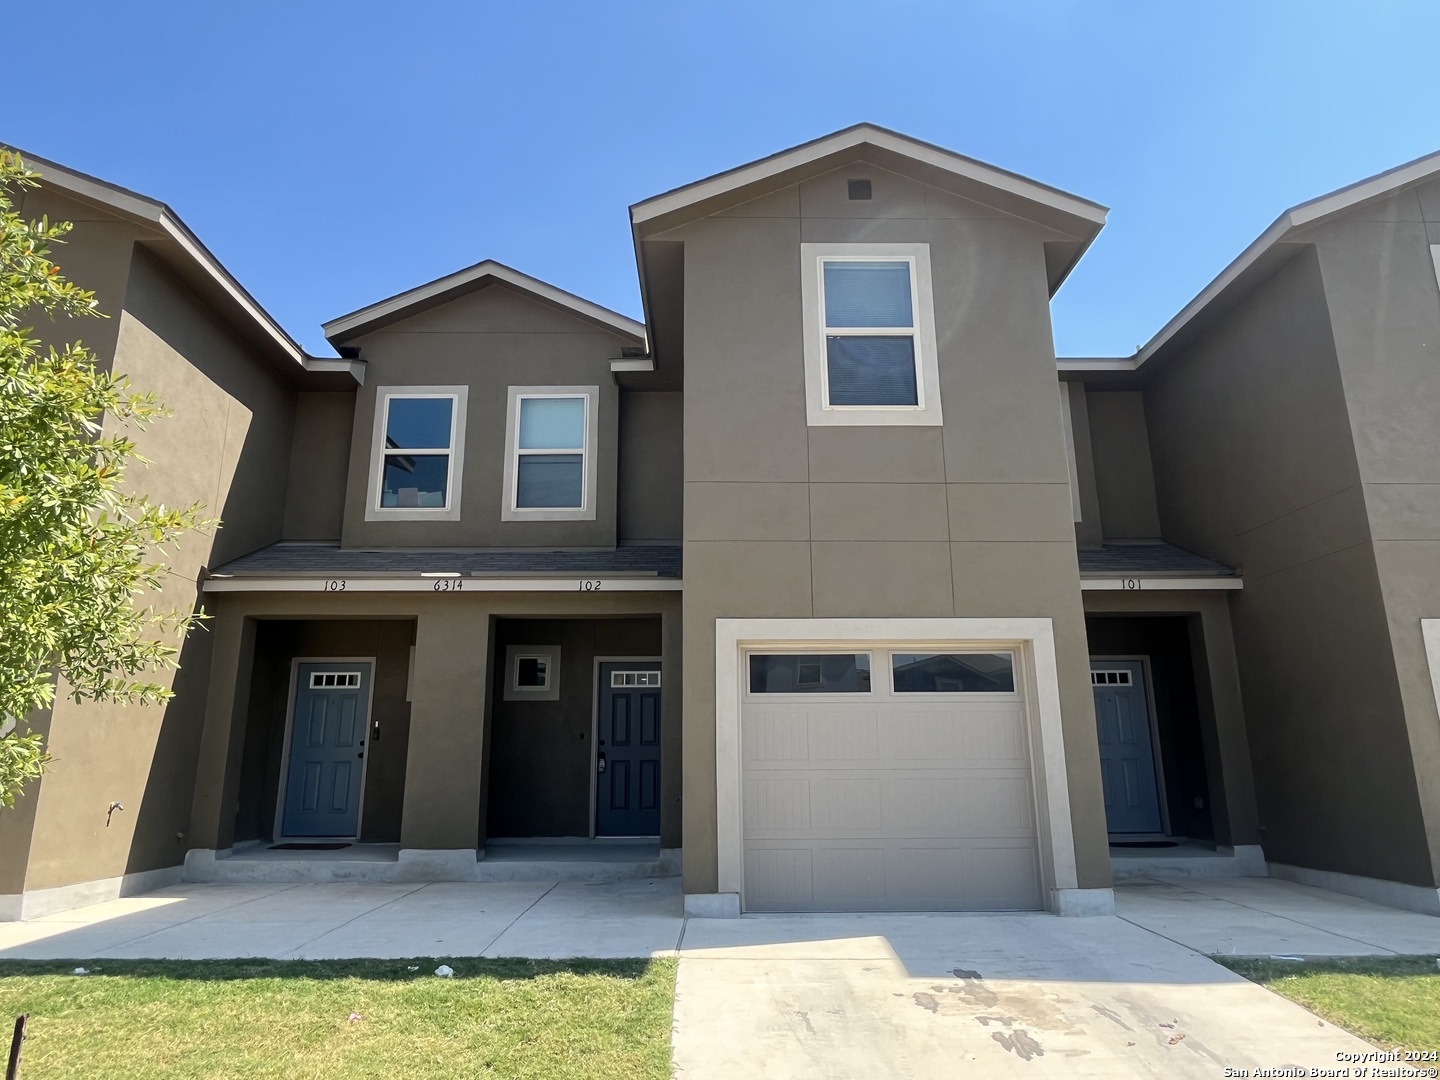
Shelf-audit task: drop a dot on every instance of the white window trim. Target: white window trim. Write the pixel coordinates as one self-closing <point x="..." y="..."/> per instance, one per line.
<point x="927" y="372"/>
<point x="459" y="396"/>
<point x="514" y="691"/>
<point x="586" y="510"/>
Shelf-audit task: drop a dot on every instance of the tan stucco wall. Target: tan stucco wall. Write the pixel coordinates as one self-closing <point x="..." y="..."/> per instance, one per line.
<point x="1255" y="466"/>
<point x="487" y="340"/>
<point x="319" y="465"/>
<point x="1124" y="479"/>
<point x="785" y="520"/>
<point x="444" y="788"/>
<point x="652" y="466"/>
<point x="227" y="446"/>
<point x="1385" y="311"/>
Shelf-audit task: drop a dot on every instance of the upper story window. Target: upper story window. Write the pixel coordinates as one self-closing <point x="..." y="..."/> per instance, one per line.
<point x="550" y="432"/>
<point x="416" y="461"/>
<point x="870" y="353"/>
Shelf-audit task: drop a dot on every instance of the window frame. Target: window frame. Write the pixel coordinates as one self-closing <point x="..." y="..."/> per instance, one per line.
<point x="514" y="691"/>
<point x="819" y="412"/>
<point x="459" y="397"/>
<point x="588" y="454"/>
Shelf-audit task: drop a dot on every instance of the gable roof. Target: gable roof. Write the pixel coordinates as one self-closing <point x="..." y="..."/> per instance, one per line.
<point x="963" y="175"/>
<point x="183" y="248"/>
<point x="1262" y="258"/>
<point x="423" y="297"/>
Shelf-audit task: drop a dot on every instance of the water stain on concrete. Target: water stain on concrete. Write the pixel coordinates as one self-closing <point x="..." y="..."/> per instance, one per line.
<point x="1019" y="1043"/>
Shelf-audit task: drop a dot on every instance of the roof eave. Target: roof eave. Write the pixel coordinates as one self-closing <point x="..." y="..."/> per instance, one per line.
<point x="348" y="327"/>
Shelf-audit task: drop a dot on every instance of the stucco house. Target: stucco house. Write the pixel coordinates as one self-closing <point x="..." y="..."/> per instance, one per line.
<point x="828" y="586"/>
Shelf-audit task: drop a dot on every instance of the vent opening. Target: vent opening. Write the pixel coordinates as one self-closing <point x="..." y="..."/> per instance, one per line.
<point x="859" y="189"/>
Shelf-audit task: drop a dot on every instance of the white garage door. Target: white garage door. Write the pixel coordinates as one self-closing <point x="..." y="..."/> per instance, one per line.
<point x="886" y="780"/>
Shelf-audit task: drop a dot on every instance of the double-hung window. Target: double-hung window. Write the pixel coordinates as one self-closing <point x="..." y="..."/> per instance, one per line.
<point x="416" y="461"/>
<point x="870" y="353"/>
<point x="550" y="431"/>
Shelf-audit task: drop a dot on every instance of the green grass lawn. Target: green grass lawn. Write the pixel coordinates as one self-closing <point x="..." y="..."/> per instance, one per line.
<point x="291" y="1019"/>
<point x="1393" y="1002"/>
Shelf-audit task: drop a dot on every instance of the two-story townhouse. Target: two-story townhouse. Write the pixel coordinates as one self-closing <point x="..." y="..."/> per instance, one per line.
<point x="954" y="633"/>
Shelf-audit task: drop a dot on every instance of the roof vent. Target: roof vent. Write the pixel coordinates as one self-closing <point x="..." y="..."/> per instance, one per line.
<point x="859" y="189"/>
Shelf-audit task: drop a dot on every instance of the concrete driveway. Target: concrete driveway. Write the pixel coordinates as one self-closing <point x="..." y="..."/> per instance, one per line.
<point x="868" y="996"/>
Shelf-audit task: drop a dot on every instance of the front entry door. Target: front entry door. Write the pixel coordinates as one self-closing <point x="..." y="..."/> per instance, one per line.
<point x="1127" y="758"/>
<point x="627" y="757"/>
<point x="327" y="750"/>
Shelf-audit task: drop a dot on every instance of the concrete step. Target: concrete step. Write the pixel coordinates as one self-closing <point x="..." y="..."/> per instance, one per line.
<point x="389" y="863"/>
<point x="1126" y="864"/>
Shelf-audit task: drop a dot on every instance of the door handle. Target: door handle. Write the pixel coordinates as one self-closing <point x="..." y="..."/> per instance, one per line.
<point x="360" y="754"/>
<point x="600" y="763"/>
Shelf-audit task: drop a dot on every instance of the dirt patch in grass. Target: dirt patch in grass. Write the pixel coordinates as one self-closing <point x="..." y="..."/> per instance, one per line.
<point x="330" y="1020"/>
<point x="1393" y="1001"/>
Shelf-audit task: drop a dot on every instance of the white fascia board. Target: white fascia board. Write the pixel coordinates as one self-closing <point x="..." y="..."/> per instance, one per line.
<point x="346" y="324"/>
<point x="1158" y="584"/>
<point x="1095" y="363"/>
<point x="806" y="153"/>
<point x="340" y="583"/>
<point x="633" y="363"/>
<point x="354" y="368"/>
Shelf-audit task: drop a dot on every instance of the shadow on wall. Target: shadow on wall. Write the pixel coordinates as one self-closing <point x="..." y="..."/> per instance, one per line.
<point x="227" y="446"/>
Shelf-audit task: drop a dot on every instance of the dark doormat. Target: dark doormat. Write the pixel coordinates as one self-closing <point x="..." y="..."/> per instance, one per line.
<point x="1131" y="843"/>
<point x="308" y="847"/>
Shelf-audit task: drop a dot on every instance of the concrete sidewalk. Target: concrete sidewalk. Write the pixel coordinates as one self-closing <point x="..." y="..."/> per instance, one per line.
<point x="814" y="996"/>
<point x="1267" y="916"/>
<point x="382" y="921"/>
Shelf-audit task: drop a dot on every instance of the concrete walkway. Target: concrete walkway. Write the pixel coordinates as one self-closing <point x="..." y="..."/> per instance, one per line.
<point x="383" y="921"/>
<point x="1268" y="916"/>
<point x="869" y="996"/>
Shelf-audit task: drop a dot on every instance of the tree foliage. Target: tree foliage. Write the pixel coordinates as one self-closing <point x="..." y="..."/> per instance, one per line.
<point x="79" y="550"/>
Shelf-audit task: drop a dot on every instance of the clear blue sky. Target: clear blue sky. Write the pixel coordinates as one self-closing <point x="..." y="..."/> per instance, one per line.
<point x="332" y="153"/>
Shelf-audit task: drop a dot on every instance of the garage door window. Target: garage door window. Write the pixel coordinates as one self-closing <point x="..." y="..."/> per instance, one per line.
<point x="810" y="673"/>
<point x="953" y="673"/>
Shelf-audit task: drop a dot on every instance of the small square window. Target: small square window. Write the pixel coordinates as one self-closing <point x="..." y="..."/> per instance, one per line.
<point x="532" y="673"/>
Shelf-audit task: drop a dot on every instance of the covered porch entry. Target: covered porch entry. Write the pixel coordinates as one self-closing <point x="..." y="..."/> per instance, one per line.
<point x="1170" y="730"/>
<point x="371" y="737"/>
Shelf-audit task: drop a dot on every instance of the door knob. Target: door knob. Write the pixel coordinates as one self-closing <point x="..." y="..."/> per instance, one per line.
<point x="600" y="763"/>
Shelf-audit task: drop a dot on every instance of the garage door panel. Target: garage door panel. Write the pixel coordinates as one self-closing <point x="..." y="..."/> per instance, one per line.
<point x="896" y="801"/>
<point x="777" y="805"/>
<point x="846" y="875"/>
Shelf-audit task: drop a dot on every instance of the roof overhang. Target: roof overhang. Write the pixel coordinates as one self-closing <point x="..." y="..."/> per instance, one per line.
<point x="423" y="297"/>
<point x="1262" y="259"/>
<point x="928" y="163"/>
<point x="179" y="247"/>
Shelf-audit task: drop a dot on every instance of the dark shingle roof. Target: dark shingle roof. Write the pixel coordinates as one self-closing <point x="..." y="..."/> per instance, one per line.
<point x="1148" y="558"/>
<point x="290" y="560"/>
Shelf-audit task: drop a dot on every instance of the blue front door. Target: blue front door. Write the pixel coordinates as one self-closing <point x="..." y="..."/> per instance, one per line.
<point x="1127" y="758"/>
<point x="628" y="754"/>
<point x="327" y="751"/>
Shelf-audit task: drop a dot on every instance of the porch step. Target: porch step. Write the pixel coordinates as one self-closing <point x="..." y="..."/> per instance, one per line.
<point x="1126" y="864"/>
<point x="379" y="863"/>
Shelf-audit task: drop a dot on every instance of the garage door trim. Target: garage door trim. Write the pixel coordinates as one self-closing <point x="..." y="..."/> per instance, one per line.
<point x="1031" y="640"/>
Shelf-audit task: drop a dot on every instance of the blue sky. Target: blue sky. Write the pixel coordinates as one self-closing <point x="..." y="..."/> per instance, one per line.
<point x="332" y="154"/>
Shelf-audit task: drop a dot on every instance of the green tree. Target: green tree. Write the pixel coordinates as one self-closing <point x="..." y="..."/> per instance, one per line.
<point x="78" y="551"/>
